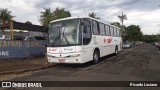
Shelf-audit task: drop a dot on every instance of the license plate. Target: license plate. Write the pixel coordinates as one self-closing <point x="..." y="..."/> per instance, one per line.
<point x="61" y="60"/>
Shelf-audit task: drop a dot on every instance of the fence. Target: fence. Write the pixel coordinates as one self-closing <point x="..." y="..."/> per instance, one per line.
<point x="21" y="49"/>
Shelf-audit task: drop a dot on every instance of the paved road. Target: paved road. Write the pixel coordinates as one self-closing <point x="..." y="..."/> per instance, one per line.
<point x="138" y="64"/>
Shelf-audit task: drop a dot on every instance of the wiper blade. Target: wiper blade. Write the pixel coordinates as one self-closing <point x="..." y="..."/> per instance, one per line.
<point x="65" y="37"/>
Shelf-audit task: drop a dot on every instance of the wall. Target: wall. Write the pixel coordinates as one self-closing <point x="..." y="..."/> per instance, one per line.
<point x="21" y="49"/>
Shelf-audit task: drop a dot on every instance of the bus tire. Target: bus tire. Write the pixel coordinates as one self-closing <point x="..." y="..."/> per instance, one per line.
<point x="96" y="57"/>
<point x="116" y="51"/>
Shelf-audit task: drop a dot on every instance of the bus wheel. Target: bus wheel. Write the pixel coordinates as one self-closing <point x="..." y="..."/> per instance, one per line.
<point x="96" y="57"/>
<point x="116" y="51"/>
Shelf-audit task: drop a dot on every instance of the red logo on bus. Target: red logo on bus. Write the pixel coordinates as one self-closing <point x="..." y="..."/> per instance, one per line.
<point x="52" y="49"/>
<point x="104" y="40"/>
<point x="109" y="40"/>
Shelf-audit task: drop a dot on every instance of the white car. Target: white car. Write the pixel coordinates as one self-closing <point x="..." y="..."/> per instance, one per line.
<point x="34" y="38"/>
<point x="30" y="38"/>
<point x="4" y="37"/>
<point x="156" y="43"/>
<point x="127" y="45"/>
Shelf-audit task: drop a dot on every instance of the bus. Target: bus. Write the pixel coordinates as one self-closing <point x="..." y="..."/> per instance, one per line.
<point x="81" y="39"/>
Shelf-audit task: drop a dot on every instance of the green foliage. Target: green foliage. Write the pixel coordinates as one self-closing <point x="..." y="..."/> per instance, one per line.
<point x="47" y="16"/>
<point x="93" y="15"/>
<point x="133" y="33"/>
<point x="28" y="22"/>
<point x="5" y="16"/>
<point x="151" y="38"/>
<point x="117" y="24"/>
<point x="122" y="18"/>
<point x="122" y="27"/>
<point x="61" y="13"/>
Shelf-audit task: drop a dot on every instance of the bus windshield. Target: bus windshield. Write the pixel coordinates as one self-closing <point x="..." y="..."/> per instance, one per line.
<point x="65" y="33"/>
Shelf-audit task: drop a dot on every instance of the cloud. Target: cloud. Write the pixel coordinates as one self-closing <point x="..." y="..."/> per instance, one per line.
<point x="140" y="12"/>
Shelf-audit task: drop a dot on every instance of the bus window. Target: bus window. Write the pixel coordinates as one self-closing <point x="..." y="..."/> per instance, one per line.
<point x="112" y="31"/>
<point x="115" y="32"/>
<point x="119" y="33"/>
<point x="101" y="27"/>
<point x="86" y="32"/>
<point x="95" y="28"/>
<point x="107" y="30"/>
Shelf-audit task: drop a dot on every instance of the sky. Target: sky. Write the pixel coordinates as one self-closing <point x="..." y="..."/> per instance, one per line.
<point x="145" y="13"/>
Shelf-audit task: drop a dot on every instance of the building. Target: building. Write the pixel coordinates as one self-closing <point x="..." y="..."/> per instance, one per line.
<point x="24" y="29"/>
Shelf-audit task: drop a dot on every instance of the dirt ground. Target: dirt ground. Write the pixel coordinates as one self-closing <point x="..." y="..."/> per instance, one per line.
<point x="11" y="65"/>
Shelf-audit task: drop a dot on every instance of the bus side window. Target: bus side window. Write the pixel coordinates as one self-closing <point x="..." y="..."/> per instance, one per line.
<point x="101" y="28"/>
<point x="120" y="33"/>
<point x="107" y="30"/>
<point x="95" y="28"/>
<point x="114" y="30"/>
<point x="86" y="32"/>
<point x="117" y="32"/>
<point x="111" y="30"/>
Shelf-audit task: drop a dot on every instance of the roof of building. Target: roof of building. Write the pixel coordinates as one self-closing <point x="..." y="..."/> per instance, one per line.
<point x="26" y="26"/>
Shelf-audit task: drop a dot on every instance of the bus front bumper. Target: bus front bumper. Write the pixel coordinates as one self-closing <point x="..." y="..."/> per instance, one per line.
<point x="73" y="58"/>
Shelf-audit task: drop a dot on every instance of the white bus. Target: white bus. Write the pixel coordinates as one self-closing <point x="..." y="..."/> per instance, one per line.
<point x="81" y="39"/>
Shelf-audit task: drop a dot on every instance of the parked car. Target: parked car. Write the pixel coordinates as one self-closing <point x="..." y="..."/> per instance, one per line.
<point x="155" y="43"/>
<point x="34" y="38"/>
<point x="39" y="38"/>
<point x="138" y="43"/>
<point x="30" y="38"/>
<point x="127" y="45"/>
<point x="4" y="37"/>
<point x="158" y="46"/>
<point x="18" y="38"/>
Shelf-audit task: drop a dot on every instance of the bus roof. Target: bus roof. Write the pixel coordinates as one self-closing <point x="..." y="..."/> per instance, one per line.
<point x="68" y="18"/>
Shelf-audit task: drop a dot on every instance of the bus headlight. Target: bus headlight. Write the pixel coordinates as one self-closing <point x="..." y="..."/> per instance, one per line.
<point x="49" y="56"/>
<point x="75" y="55"/>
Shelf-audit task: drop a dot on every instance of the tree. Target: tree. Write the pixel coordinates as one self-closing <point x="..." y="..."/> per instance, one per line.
<point x="151" y="38"/>
<point x="5" y="16"/>
<point x="6" y="19"/>
<point x="133" y="33"/>
<point x="46" y="17"/>
<point x="117" y="24"/>
<point x="93" y="15"/>
<point x="122" y="18"/>
<point x="28" y="22"/>
<point x="61" y="13"/>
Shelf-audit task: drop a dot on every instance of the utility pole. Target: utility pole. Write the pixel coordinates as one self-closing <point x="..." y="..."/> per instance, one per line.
<point x="11" y="29"/>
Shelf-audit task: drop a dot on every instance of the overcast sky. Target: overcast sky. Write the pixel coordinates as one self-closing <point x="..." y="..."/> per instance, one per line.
<point x="145" y="13"/>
